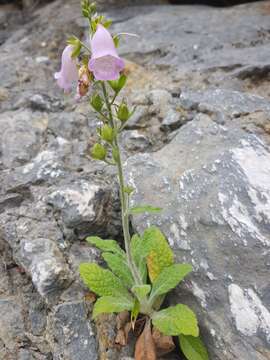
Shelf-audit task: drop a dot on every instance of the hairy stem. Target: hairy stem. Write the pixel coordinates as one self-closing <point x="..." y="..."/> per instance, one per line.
<point x="123" y="195"/>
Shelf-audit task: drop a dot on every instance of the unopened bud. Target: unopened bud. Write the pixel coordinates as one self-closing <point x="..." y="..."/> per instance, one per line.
<point x="98" y="152"/>
<point x="123" y="112"/>
<point x="107" y="133"/>
<point x="97" y="102"/>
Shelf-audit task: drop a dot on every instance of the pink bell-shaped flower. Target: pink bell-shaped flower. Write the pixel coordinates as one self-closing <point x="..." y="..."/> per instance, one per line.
<point x="105" y="62"/>
<point x="68" y="73"/>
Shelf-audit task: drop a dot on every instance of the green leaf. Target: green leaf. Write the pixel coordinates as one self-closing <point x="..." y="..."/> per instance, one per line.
<point x="159" y="253"/>
<point x="111" y="304"/>
<point x="107" y="23"/>
<point x="119" y="267"/>
<point x="144" y="208"/>
<point x="76" y="46"/>
<point x="176" y="320"/>
<point x="193" y="348"/>
<point x="135" y="312"/>
<point x="116" y="41"/>
<point x="128" y="190"/>
<point x="141" y="290"/>
<point x="106" y="245"/>
<point x="102" y="282"/>
<point x="139" y="253"/>
<point x="169" y="278"/>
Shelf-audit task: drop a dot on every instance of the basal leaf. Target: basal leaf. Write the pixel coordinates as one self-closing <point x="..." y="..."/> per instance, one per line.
<point x="176" y="320"/>
<point x="139" y="253"/>
<point x="169" y="278"/>
<point x="102" y="282"/>
<point x="112" y="304"/>
<point x="105" y="245"/>
<point x="119" y="267"/>
<point x="141" y="290"/>
<point x="160" y="254"/>
<point x="144" y="208"/>
<point x="193" y="348"/>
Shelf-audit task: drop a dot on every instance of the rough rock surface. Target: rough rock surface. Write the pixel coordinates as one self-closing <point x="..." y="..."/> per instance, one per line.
<point x="216" y="197"/>
<point x="200" y="81"/>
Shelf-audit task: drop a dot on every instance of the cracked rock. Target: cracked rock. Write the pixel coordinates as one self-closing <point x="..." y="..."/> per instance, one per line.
<point x="72" y="334"/>
<point x="216" y="217"/>
<point x="46" y="264"/>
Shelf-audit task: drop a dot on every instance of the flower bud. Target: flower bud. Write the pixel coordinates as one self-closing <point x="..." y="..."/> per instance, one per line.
<point x="98" y="152"/>
<point x="117" y="85"/>
<point x="123" y="112"/>
<point x="107" y="133"/>
<point x="97" y="102"/>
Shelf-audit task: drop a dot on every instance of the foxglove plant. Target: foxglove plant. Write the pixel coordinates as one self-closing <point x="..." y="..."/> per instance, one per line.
<point x="138" y="277"/>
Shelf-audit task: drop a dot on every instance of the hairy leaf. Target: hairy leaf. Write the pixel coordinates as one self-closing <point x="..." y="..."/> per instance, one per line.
<point x="112" y="304"/>
<point x="193" y="348"/>
<point x="145" y="346"/>
<point x="144" y="208"/>
<point x="160" y="254"/>
<point x="139" y="253"/>
<point x="105" y="245"/>
<point x="176" y="320"/>
<point x="119" y="267"/>
<point x="141" y="290"/>
<point x="169" y="278"/>
<point x="102" y="282"/>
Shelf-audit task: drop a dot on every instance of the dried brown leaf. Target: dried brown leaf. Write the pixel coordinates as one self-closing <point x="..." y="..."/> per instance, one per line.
<point x="164" y="344"/>
<point x="145" y="346"/>
<point x="123" y="327"/>
<point x="121" y="338"/>
<point x="122" y="319"/>
<point x="127" y="329"/>
<point x="90" y="297"/>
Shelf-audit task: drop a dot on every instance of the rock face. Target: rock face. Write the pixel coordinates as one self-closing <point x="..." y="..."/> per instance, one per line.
<point x="198" y="146"/>
<point x="216" y="197"/>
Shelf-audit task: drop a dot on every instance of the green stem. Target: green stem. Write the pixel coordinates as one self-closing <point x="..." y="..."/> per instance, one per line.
<point x="123" y="195"/>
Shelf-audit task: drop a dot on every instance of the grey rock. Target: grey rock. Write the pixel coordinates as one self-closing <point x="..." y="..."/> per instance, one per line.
<point x="20" y="137"/>
<point x="172" y="120"/>
<point x="133" y="140"/>
<point x="45" y="166"/>
<point x="11" y="322"/>
<point x="42" y="102"/>
<point x="37" y="315"/>
<point x="46" y="265"/>
<point x="139" y="118"/>
<point x="10" y="200"/>
<point x="72" y="333"/>
<point x="160" y="100"/>
<point x="200" y="44"/>
<point x="89" y="207"/>
<point x="215" y="194"/>
<point x="25" y="354"/>
<point x="82" y="252"/>
<point x="224" y="102"/>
